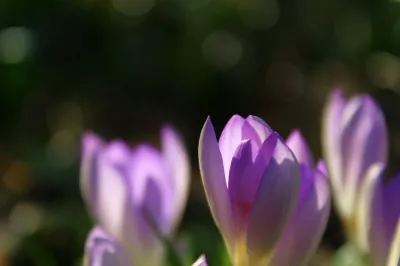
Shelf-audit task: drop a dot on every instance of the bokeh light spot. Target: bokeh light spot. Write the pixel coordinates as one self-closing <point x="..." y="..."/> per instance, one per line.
<point x="16" y="44"/>
<point x="222" y="49"/>
<point x="16" y="178"/>
<point x="25" y="218"/>
<point x="384" y="70"/>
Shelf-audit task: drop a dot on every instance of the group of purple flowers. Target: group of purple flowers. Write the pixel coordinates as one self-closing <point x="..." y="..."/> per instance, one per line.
<point x="269" y="199"/>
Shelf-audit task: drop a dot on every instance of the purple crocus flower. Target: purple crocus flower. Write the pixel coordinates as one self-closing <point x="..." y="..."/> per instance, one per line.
<point x="103" y="250"/>
<point x="252" y="183"/>
<point x="135" y="194"/>
<point x="354" y="138"/>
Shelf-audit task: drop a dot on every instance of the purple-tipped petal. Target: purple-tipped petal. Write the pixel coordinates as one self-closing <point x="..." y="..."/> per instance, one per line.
<point x="230" y="138"/>
<point x="304" y="232"/>
<point x="103" y="250"/>
<point x="178" y="161"/>
<point x="275" y="202"/>
<point x="201" y="261"/>
<point x="213" y="177"/>
<point x="364" y="142"/>
<point x="300" y="149"/>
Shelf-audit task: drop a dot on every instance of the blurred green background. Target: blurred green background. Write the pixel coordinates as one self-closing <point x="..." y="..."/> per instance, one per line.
<point x="123" y="68"/>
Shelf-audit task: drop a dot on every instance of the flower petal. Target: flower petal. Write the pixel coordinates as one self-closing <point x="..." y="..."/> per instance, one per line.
<point x="104" y="185"/>
<point x="242" y="187"/>
<point x="305" y="230"/>
<point x="201" y="261"/>
<point x="322" y="168"/>
<point x="243" y="184"/>
<point x="91" y="145"/>
<point x="364" y="142"/>
<point x="103" y="250"/>
<point x="213" y="177"/>
<point x="331" y="138"/>
<point x="368" y="221"/>
<point x="394" y="254"/>
<point x="275" y="202"/>
<point x="177" y="159"/>
<point x="391" y="199"/>
<point x="229" y="140"/>
<point x="260" y="126"/>
<point x="152" y="189"/>
<point x="300" y="149"/>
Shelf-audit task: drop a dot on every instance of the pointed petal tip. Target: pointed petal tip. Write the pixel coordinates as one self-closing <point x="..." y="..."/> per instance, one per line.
<point x="321" y="167"/>
<point x="168" y="129"/>
<point x="337" y="92"/>
<point x="214" y="181"/>
<point x="201" y="261"/>
<point x="90" y="141"/>
<point x="299" y="146"/>
<point x="207" y="129"/>
<point x="322" y="190"/>
<point x="295" y="133"/>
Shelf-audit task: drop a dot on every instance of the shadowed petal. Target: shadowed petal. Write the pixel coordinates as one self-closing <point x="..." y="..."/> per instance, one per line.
<point x="391" y="206"/>
<point x="304" y="232"/>
<point x="229" y="140"/>
<point x="201" y="261"/>
<point x="275" y="202"/>
<point x="212" y="173"/>
<point x="369" y="222"/>
<point x="242" y="185"/>
<point x="152" y="188"/>
<point x="394" y="253"/>
<point x="178" y="161"/>
<point x="103" y="250"/>
<point x="300" y="149"/>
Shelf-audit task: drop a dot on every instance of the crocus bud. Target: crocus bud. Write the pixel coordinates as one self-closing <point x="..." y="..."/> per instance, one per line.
<point x="304" y="232"/>
<point x="252" y="181"/>
<point x="136" y="195"/>
<point x="354" y="138"/>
